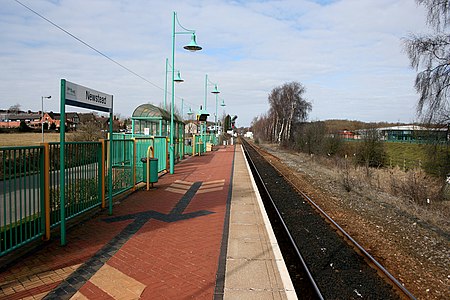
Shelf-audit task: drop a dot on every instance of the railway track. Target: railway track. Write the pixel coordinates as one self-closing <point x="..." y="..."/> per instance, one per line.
<point x="324" y="262"/>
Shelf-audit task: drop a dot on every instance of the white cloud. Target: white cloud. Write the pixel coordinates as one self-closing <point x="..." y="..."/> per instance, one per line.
<point x="347" y="53"/>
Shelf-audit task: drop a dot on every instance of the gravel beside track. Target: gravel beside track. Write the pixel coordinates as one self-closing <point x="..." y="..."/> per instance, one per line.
<point x="338" y="270"/>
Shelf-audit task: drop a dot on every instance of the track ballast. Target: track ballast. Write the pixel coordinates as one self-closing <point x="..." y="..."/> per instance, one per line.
<point x="321" y="263"/>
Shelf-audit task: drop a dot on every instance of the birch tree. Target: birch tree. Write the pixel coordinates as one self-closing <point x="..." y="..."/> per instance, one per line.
<point x="430" y="56"/>
<point x="287" y="107"/>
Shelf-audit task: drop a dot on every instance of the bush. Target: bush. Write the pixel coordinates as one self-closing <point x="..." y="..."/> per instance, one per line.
<point x="23" y="127"/>
<point x="438" y="160"/>
<point x="310" y="138"/>
<point x="370" y="151"/>
<point x="87" y="132"/>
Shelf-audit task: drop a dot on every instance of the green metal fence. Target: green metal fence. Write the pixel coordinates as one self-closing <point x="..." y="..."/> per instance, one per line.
<point x="142" y="145"/>
<point x="188" y="146"/>
<point x="21" y="203"/>
<point x="30" y="176"/>
<point x="161" y="152"/>
<point x="122" y="165"/>
<point x="83" y="175"/>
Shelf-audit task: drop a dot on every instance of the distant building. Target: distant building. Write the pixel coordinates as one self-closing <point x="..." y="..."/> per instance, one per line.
<point x="346" y="134"/>
<point x="410" y="133"/>
<point x="36" y="119"/>
<point x="249" y="135"/>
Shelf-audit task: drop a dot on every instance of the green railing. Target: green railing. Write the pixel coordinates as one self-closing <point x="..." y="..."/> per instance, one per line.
<point x="21" y="191"/>
<point x="161" y="152"/>
<point x="83" y="186"/>
<point x="188" y="146"/>
<point x="142" y="145"/>
<point x="122" y="165"/>
<point x="30" y="176"/>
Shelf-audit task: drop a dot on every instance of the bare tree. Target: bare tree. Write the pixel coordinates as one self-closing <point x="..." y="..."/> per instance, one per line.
<point x="287" y="107"/>
<point x="431" y="54"/>
<point x="14" y="108"/>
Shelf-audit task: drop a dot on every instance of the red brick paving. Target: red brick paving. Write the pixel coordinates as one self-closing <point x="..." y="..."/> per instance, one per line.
<point x="173" y="260"/>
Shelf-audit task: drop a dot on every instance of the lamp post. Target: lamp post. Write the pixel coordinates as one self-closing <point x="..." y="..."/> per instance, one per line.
<point x="192" y="46"/>
<point x="214" y="91"/>
<point x="216" y="117"/>
<point x="177" y="79"/>
<point x="42" y="115"/>
<point x="190" y="112"/>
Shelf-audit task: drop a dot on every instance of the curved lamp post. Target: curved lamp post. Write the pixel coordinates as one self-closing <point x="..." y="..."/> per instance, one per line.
<point x="214" y="91"/>
<point x="189" y="113"/>
<point x="42" y="115"/>
<point x="192" y="46"/>
<point x="176" y="79"/>
<point x="216" y="117"/>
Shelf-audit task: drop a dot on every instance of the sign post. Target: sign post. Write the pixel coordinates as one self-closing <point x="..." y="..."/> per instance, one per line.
<point x="80" y="96"/>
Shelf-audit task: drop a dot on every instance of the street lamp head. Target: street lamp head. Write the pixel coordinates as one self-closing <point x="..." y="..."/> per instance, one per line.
<point x="190" y="112"/>
<point x="223" y="103"/>
<point x="216" y="90"/>
<point x="178" y="77"/>
<point x="193" y="46"/>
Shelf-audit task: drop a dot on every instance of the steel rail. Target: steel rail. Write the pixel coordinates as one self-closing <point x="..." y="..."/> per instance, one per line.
<point x="394" y="282"/>
<point x="305" y="266"/>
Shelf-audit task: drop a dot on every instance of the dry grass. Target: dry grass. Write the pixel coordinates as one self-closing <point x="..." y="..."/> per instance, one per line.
<point x="413" y="191"/>
<point x="27" y="139"/>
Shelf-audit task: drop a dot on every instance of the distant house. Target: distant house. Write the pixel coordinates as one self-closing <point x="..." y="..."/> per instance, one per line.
<point x="72" y="119"/>
<point x="37" y="119"/>
<point x="87" y="117"/>
<point x="12" y="120"/>
<point x="104" y="123"/>
<point x="346" y="134"/>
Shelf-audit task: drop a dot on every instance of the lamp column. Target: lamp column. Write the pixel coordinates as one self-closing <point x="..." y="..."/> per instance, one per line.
<point x="171" y="145"/>
<point x="192" y="46"/>
<point x="42" y="115"/>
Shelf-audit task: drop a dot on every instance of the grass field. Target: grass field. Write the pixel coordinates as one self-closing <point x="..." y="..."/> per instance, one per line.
<point x="405" y="155"/>
<point x="27" y="139"/>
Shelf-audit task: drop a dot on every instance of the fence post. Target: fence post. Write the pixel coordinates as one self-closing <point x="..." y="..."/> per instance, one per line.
<point x="46" y="186"/>
<point x="167" y="155"/>
<point x="134" y="164"/>
<point x="193" y="145"/>
<point x="102" y="172"/>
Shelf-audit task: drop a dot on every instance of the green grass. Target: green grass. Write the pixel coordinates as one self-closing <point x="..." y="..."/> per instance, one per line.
<point x="405" y="155"/>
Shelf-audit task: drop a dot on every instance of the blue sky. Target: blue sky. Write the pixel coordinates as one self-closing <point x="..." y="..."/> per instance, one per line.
<point x="347" y="53"/>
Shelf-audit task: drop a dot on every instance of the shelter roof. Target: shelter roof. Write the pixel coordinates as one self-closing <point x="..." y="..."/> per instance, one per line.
<point x="151" y="112"/>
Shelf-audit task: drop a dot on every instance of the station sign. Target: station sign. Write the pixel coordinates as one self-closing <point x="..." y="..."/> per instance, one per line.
<point x="80" y="96"/>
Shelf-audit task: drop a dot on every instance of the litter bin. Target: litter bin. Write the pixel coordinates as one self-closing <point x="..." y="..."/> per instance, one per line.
<point x="153" y="169"/>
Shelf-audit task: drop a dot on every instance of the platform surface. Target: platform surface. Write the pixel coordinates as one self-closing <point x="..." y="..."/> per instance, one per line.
<point x="199" y="235"/>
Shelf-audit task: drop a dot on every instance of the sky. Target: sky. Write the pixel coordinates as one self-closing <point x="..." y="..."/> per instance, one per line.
<point x="347" y="53"/>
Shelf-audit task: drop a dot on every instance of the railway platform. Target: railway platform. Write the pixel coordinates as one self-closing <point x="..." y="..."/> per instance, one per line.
<point x="202" y="233"/>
